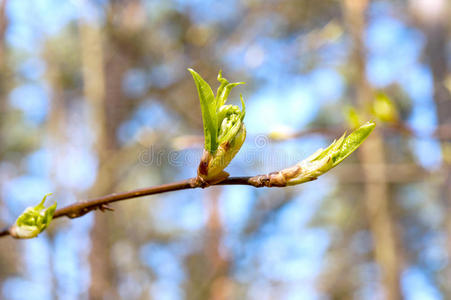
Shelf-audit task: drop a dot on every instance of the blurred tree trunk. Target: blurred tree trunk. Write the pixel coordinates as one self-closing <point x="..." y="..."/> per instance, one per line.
<point x="377" y="197"/>
<point x="3" y="74"/>
<point x="437" y="55"/>
<point x="55" y="128"/>
<point x="8" y="251"/>
<point x="103" y="70"/>
<point x="207" y="270"/>
<point x="3" y="65"/>
<point x="3" y="79"/>
<point x="219" y="265"/>
<point x="96" y="83"/>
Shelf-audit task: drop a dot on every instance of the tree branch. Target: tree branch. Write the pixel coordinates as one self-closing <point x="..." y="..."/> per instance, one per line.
<point x="35" y="219"/>
<point x="81" y="208"/>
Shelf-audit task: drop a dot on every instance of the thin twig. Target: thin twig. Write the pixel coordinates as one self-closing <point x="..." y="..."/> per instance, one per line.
<point x="81" y="208"/>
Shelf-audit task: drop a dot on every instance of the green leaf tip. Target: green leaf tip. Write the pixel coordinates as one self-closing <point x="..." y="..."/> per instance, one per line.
<point x="224" y="90"/>
<point x="208" y="108"/>
<point x="325" y="159"/>
<point x="33" y="220"/>
<point x="223" y="126"/>
<point x="354" y="140"/>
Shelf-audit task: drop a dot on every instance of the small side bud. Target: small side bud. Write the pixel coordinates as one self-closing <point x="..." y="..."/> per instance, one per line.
<point x="33" y="220"/>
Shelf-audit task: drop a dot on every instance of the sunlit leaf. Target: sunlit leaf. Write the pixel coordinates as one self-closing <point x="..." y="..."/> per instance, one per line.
<point x="224" y="138"/>
<point x="208" y="108"/>
<point x="325" y="159"/>
<point x="33" y="220"/>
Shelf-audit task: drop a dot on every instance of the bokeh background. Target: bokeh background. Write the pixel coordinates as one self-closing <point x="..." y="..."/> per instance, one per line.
<point x="95" y="98"/>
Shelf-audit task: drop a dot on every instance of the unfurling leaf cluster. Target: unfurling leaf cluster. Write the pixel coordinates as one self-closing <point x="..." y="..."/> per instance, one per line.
<point x="33" y="220"/>
<point x="224" y="129"/>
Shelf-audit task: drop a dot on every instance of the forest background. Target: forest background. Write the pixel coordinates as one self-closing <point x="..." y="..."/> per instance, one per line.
<point x="95" y="98"/>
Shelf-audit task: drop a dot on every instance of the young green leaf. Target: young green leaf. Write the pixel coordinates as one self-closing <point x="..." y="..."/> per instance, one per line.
<point x="354" y="140"/>
<point x="224" y="90"/>
<point x="224" y="138"/>
<point x="33" y="220"/>
<point x="325" y="159"/>
<point x="208" y="108"/>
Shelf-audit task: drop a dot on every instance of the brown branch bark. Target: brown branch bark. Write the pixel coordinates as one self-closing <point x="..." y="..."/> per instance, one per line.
<point x="81" y="208"/>
<point x="399" y="173"/>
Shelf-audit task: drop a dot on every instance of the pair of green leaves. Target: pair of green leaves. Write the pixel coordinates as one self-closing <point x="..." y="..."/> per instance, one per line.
<point x="221" y="122"/>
